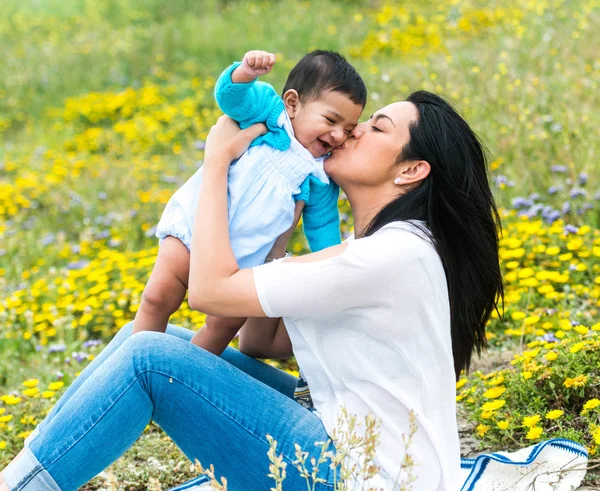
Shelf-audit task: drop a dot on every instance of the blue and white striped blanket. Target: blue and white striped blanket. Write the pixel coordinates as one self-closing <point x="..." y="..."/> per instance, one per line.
<point x="552" y="465"/>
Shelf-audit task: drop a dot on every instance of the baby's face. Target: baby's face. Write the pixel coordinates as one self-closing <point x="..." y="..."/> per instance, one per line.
<point x="323" y="124"/>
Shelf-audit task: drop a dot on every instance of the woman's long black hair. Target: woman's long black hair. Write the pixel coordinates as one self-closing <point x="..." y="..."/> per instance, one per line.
<point x="456" y="203"/>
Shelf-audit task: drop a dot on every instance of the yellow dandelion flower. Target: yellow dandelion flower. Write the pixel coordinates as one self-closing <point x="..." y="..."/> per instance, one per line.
<point x="56" y="385"/>
<point x="493" y="405"/>
<point x="554" y="414"/>
<point x="6" y="419"/>
<point x="591" y="404"/>
<point x="32" y="382"/>
<point x="494" y="392"/>
<point x="575" y="244"/>
<point x="482" y="429"/>
<point x="551" y="355"/>
<point x="503" y="425"/>
<point x="531" y="320"/>
<point x="529" y="421"/>
<point x="2" y="445"/>
<point x="578" y="381"/>
<point x="31" y="392"/>
<point x="47" y="394"/>
<point x="496" y="381"/>
<point x="534" y="433"/>
<point x="461" y="383"/>
<point x="10" y="399"/>
<point x="596" y="435"/>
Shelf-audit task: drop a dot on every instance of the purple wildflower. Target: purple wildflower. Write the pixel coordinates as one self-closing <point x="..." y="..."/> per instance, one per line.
<point x="559" y="169"/>
<point x="56" y="348"/>
<point x="78" y="264"/>
<point x="48" y="239"/>
<point x="91" y="343"/>
<point x="550" y="215"/>
<point x="549" y="337"/>
<point x="520" y="202"/>
<point x="583" y="178"/>
<point x="577" y="192"/>
<point x="79" y="356"/>
<point x="571" y="229"/>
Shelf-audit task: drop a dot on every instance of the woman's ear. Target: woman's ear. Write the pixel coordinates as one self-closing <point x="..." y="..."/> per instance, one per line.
<point x="291" y="100"/>
<point x="415" y="171"/>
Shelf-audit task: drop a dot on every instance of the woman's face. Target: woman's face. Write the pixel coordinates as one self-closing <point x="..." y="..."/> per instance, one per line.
<point x="367" y="158"/>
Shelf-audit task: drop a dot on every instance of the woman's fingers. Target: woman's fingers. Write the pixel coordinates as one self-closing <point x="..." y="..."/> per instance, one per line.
<point x="226" y="138"/>
<point x="255" y="131"/>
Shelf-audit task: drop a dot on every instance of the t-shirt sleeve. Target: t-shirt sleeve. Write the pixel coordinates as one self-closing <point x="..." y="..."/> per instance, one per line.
<point x="365" y="274"/>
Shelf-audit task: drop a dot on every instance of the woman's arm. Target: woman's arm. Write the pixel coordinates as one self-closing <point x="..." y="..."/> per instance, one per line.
<point x="216" y="284"/>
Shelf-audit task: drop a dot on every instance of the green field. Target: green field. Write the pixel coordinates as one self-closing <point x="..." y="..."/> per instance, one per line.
<point x="105" y="104"/>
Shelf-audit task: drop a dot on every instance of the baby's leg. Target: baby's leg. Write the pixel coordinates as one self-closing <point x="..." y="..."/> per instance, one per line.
<point x="166" y="287"/>
<point x="217" y="333"/>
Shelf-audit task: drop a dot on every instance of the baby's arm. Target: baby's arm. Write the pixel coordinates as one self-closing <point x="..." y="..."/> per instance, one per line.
<point x="321" y="218"/>
<point x="241" y="97"/>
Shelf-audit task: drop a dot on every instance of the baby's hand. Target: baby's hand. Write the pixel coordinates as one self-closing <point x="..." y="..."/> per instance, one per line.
<point x="257" y="63"/>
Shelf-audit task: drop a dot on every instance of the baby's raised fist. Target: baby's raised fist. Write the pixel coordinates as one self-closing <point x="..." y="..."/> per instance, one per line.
<point x="257" y="63"/>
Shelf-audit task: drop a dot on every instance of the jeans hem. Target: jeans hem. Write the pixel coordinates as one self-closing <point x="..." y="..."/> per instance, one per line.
<point x="32" y="435"/>
<point x="27" y="474"/>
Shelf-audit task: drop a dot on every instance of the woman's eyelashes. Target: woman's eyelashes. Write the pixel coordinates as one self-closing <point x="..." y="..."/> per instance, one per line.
<point x="376" y="129"/>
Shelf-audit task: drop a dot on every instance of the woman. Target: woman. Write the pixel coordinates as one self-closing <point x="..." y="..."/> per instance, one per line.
<point x="383" y="324"/>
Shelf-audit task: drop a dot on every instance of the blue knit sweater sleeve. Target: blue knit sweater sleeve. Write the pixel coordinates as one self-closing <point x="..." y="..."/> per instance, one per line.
<point x="251" y="103"/>
<point x="320" y="217"/>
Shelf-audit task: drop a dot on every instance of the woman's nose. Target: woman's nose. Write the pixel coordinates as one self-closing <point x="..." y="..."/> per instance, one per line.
<point x="359" y="130"/>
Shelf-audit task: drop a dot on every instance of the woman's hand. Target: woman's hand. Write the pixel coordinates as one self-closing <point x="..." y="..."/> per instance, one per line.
<point x="226" y="142"/>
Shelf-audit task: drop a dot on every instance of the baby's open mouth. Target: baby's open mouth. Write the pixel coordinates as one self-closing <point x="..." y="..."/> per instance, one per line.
<point x="326" y="146"/>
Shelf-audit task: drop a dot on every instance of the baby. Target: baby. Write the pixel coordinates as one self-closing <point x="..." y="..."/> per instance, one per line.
<point x="322" y="100"/>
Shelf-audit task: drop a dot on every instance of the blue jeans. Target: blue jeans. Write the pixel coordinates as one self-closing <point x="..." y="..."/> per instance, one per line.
<point x="216" y="409"/>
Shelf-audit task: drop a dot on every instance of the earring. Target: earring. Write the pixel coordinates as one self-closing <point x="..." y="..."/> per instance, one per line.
<point x="398" y="180"/>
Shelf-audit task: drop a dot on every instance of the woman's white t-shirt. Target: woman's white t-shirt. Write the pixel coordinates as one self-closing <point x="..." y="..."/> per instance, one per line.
<point x="370" y="329"/>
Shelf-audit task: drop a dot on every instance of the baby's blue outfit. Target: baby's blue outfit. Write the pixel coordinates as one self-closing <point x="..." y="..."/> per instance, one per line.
<point x="264" y="183"/>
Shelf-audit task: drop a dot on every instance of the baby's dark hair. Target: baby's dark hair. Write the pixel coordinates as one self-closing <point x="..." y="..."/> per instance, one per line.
<point x="321" y="70"/>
